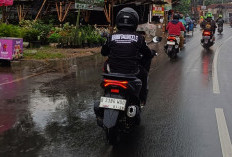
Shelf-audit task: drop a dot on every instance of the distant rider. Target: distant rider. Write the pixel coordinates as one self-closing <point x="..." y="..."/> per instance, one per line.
<point x="209" y="24"/>
<point x="175" y="27"/>
<point x="182" y="20"/>
<point x="220" y="21"/>
<point x="201" y="21"/>
<point x="125" y="47"/>
<point x="189" y="22"/>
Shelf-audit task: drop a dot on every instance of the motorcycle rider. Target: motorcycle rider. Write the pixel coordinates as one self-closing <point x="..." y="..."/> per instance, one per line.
<point x="175" y="27"/>
<point x="189" y="21"/>
<point x="202" y="19"/>
<point x="220" y="21"/>
<point x="209" y="23"/>
<point x="182" y="20"/>
<point x="125" y="47"/>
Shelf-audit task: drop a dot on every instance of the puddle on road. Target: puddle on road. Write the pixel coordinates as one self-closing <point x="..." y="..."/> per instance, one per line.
<point x="58" y="114"/>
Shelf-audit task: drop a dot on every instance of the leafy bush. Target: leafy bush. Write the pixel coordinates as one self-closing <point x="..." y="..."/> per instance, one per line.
<point x="10" y="31"/>
<point x="42" y="28"/>
<point x="44" y="31"/>
<point x="70" y="36"/>
<point x="27" y="23"/>
<point x="31" y="35"/>
<point x="54" y="38"/>
<point x="102" y="40"/>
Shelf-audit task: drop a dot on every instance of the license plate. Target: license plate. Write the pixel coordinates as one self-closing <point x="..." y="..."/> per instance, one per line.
<point x="206" y="37"/>
<point x="113" y="103"/>
<point x="170" y="43"/>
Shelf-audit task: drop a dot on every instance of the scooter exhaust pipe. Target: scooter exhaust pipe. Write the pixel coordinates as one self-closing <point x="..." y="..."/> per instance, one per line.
<point x="131" y="111"/>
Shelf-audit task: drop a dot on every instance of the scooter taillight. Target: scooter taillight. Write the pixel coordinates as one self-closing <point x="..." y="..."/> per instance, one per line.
<point x="206" y="33"/>
<point x="114" y="90"/>
<point x="122" y="84"/>
<point x="170" y="38"/>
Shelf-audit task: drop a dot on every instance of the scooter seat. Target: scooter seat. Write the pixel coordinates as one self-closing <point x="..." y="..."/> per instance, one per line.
<point x="119" y="76"/>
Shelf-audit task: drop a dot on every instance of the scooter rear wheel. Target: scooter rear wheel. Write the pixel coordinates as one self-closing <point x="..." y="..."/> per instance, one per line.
<point x="173" y="55"/>
<point x="112" y="136"/>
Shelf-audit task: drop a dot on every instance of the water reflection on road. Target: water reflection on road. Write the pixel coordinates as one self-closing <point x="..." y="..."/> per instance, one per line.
<point x="51" y="113"/>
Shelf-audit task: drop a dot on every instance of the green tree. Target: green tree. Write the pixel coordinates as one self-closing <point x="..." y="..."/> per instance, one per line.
<point x="208" y="2"/>
<point x="184" y="6"/>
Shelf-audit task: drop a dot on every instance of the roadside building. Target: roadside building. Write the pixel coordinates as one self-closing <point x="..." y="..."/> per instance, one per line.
<point x="62" y="11"/>
<point x="224" y="9"/>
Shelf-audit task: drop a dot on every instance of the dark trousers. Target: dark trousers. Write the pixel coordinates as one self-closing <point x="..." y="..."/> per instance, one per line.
<point x="143" y="76"/>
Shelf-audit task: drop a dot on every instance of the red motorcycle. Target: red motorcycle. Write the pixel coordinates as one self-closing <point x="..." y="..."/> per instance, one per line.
<point x="207" y="39"/>
<point x="172" y="46"/>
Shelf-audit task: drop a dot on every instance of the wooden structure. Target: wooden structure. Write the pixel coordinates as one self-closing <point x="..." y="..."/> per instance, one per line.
<point x="40" y="8"/>
<point x="62" y="8"/>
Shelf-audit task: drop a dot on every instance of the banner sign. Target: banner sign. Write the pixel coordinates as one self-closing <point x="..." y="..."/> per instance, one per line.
<point x="6" y="2"/>
<point x="168" y="6"/>
<point x="158" y="10"/>
<point x="203" y="7"/>
<point x="88" y="4"/>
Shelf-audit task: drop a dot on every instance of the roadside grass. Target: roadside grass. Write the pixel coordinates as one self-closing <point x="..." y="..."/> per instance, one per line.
<point x="42" y="53"/>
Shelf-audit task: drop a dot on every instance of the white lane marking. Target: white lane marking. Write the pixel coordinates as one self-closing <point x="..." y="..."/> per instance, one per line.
<point x="216" y="89"/>
<point x="223" y="133"/>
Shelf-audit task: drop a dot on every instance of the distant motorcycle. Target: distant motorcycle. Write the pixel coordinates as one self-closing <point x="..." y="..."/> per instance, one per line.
<point x="119" y="108"/>
<point x="220" y="29"/>
<point x="189" y="28"/>
<point x="172" y="46"/>
<point x="207" y="39"/>
<point x="194" y="23"/>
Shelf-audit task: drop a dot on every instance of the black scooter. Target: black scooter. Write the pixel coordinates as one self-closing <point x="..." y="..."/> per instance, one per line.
<point x="119" y="109"/>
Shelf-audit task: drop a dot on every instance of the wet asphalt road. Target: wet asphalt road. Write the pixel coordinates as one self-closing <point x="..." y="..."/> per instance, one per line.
<point x="51" y="114"/>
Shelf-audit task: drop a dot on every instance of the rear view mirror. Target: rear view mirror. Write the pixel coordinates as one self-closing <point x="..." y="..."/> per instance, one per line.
<point x="157" y="39"/>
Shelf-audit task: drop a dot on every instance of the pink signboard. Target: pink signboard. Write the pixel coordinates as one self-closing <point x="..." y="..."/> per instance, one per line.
<point x="6" y="2"/>
<point x="11" y="48"/>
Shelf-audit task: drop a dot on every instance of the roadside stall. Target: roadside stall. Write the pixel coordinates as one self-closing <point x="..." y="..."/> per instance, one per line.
<point x="11" y="48"/>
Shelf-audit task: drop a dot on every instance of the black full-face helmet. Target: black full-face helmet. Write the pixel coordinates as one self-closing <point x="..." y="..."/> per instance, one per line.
<point x="128" y="19"/>
<point x="176" y="16"/>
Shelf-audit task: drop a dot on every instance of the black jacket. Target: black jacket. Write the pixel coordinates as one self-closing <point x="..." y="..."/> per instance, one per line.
<point x="220" y="21"/>
<point x="123" y="50"/>
<point x="209" y="24"/>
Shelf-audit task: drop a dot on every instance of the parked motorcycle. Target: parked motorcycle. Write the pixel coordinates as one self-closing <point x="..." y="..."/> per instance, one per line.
<point x="172" y="46"/>
<point x="207" y="39"/>
<point x="119" y="109"/>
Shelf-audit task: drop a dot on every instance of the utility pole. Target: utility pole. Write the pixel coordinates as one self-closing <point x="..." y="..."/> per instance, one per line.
<point x="204" y="9"/>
